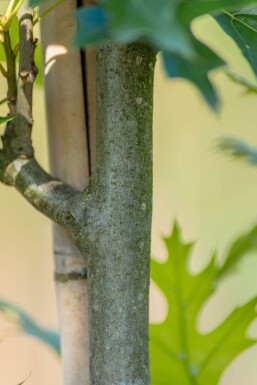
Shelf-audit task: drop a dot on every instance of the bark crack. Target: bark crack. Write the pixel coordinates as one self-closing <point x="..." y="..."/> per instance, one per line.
<point x="73" y="276"/>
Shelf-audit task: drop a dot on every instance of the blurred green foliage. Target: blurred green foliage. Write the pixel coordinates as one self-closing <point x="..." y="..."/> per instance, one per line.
<point x="180" y="354"/>
<point x="166" y="25"/>
<point x="29" y="326"/>
<point x="238" y="149"/>
<point x="241" y="26"/>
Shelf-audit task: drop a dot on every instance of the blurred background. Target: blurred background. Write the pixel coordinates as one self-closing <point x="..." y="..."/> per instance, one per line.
<point x="212" y="196"/>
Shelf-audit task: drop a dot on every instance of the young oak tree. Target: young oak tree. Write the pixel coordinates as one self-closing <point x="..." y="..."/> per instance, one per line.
<point x="103" y="231"/>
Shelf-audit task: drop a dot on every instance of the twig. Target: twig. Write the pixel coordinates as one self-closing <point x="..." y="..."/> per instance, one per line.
<point x="11" y="13"/>
<point x="16" y="50"/>
<point x="11" y="73"/>
<point x="10" y="8"/>
<point x="22" y="143"/>
<point x="3" y="101"/>
<point x="18" y="167"/>
<point x="43" y="14"/>
<point x="3" y="71"/>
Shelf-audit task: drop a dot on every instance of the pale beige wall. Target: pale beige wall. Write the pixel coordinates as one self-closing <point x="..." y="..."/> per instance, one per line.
<point x="212" y="197"/>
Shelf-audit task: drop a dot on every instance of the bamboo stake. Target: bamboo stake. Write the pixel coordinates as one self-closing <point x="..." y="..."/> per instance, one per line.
<point x="65" y="106"/>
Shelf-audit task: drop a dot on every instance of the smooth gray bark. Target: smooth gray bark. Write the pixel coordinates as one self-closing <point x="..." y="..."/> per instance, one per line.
<point x="118" y="265"/>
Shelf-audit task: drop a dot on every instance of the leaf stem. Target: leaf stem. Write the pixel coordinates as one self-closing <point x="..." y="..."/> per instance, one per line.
<point x="12" y="14"/>
<point x="3" y="101"/>
<point x="3" y="71"/>
<point x="43" y="14"/>
<point x="16" y="49"/>
<point x="10" y="8"/>
<point x="240" y="21"/>
<point x="182" y="326"/>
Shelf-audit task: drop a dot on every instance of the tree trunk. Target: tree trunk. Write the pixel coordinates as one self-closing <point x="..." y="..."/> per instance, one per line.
<point x="115" y="231"/>
<point x="120" y="221"/>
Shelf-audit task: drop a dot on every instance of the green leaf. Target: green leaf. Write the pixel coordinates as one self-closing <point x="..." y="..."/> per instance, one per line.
<point x="164" y="24"/>
<point x="238" y="149"/>
<point x="92" y="26"/>
<point x="244" y="244"/>
<point x="155" y="21"/>
<point x="29" y="326"/>
<point x="190" y="9"/>
<point x="196" y="70"/>
<point x="5" y="119"/>
<point x="179" y="353"/>
<point x="39" y="64"/>
<point x="241" y="26"/>
<point x="250" y="88"/>
<point x="34" y="3"/>
<point x="129" y="21"/>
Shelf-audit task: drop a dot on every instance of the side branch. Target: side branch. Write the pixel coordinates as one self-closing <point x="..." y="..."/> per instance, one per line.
<point x="27" y="74"/>
<point x="18" y="167"/>
<point x="48" y="195"/>
<point x="10" y="73"/>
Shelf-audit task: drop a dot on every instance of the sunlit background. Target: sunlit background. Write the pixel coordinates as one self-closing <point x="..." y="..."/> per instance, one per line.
<point x="212" y="197"/>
